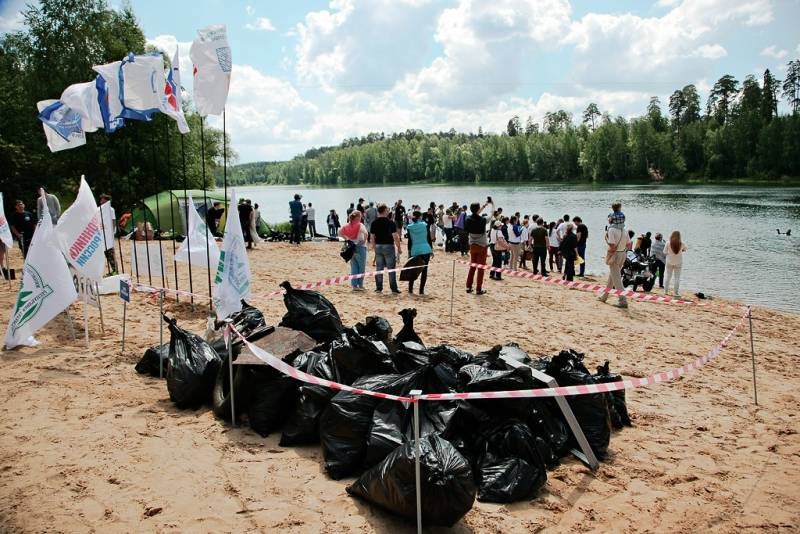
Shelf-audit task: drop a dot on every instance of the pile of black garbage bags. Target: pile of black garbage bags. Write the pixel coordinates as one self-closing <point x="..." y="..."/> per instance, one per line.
<point x="496" y="449"/>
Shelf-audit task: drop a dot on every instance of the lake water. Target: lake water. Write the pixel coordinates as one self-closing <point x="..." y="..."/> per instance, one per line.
<point x="734" y="249"/>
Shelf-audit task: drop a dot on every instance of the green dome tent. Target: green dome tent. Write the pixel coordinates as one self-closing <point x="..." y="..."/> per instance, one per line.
<point x="166" y="204"/>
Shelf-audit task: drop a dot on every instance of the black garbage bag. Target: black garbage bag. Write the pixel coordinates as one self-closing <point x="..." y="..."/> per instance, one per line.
<point x="345" y="423"/>
<point x="271" y="399"/>
<point x="590" y="410"/>
<point x="149" y="364"/>
<point x="447" y="486"/>
<point x="246" y="320"/>
<point x="407" y="333"/>
<point x="617" y="406"/>
<point x="393" y="422"/>
<point x="409" y="356"/>
<point x="242" y="390"/>
<point x="462" y="428"/>
<point x="302" y="425"/>
<point x="502" y="480"/>
<point x="356" y="356"/>
<point x="192" y="369"/>
<point x="454" y="357"/>
<point x="310" y="312"/>
<point x="375" y="327"/>
<point x="553" y="431"/>
<point x="507" y="480"/>
<point x="474" y="377"/>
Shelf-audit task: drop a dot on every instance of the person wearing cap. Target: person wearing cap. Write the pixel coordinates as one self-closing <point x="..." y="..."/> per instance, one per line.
<point x="478" y="244"/>
<point x="617" y="242"/>
<point x="296" y="213"/>
<point x="497" y="245"/>
<point x="108" y="218"/>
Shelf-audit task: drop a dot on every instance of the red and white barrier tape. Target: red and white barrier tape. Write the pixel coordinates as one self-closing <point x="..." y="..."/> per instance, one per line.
<point x="287" y="369"/>
<point x="561" y="391"/>
<point x="583" y="286"/>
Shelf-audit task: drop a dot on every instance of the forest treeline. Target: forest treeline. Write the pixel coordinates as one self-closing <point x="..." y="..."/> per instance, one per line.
<point x="737" y="135"/>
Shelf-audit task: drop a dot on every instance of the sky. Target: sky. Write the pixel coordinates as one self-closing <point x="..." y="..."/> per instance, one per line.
<point x="310" y="74"/>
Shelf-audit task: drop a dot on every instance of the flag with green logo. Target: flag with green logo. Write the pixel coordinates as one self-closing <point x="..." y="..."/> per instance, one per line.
<point x="46" y="290"/>
<point x="232" y="283"/>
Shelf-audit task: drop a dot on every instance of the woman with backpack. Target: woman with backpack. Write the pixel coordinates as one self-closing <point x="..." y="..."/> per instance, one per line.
<point x="498" y="245"/>
<point x="555" y="241"/>
<point x="419" y="245"/>
<point x="355" y="232"/>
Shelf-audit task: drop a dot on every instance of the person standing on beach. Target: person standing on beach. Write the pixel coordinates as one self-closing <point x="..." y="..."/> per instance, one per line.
<point x="419" y="241"/>
<point x="658" y="250"/>
<point x="459" y="228"/>
<point x="370" y="214"/>
<point x="296" y="213"/>
<point x="399" y="217"/>
<point x="356" y="232"/>
<point x="514" y="241"/>
<point x="311" y="215"/>
<point x="254" y="218"/>
<point x="478" y="245"/>
<point x="213" y="216"/>
<point x="674" y="256"/>
<point x="385" y="242"/>
<point x="53" y="205"/>
<point x="109" y="226"/>
<point x="554" y="242"/>
<point x="351" y="209"/>
<point x="617" y="242"/>
<point x="539" y="241"/>
<point x="245" y="213"/>
<point x="333" y="223"/>
<point x="582" y="232"/>
<point x="488" y="208"/>
<point x="498" y="246"/>
<point x="569" y="251"/>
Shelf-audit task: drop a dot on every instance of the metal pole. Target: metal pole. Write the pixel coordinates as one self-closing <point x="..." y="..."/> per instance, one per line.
<point x="8" y="265"/>
<point x="752" y="353"/>
<point x="161" y="333"/>
<point x="228" y="334"/>
<point x="171" y="211"/>
<point x="186" y="222"/>
<point x="85" y="316"/>
<point x="414" y="394"/>
<point x="124" y="322"/>
<point x="71" y="326"/>
<point x="205" y="203"/>
<point x="100" y="307"/>
<point x="452" y="290"/>
<point x="225" y="163"/>
<point x="135" y="263"/>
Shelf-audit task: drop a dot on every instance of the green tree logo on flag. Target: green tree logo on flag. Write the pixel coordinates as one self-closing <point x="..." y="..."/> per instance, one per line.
<point x="30" y="302"/>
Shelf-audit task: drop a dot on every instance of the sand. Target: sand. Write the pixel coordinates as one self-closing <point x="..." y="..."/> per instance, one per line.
<point x="86" y="444"/>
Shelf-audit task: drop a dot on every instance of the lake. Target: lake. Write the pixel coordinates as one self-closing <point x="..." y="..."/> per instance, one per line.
<point x="734" y="249"/>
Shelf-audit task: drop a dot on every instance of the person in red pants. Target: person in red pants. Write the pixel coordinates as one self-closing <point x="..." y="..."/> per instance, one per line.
<point x="475" y="227"/>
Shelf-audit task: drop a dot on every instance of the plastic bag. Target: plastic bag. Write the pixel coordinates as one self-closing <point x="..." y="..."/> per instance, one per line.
<point x="375" y="327"/>
<point x="409" y="356"/>
<point x="479" y="378"/>
<point x="302" y="425"/>
<point x="407" y="333"/>
<point x="310" y="312"/>
<point x="447" y="487"/>
<point x="357" y="356"/>
<point x="591" y="410"/>
<point x="149" y="364"/>
<point x="192" y="369"/>
<point x="221" y="395"/>
<point x="507" y="480"/>
<point x="617" y="407"/>
<point x="272" y="397"/>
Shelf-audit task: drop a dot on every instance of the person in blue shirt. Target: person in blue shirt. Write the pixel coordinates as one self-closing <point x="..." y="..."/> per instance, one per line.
<point x="419" y="245"/>
<point x="296" y="212"/>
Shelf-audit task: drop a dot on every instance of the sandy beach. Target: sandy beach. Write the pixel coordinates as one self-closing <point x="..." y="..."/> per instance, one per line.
<point x="88" y="445"/>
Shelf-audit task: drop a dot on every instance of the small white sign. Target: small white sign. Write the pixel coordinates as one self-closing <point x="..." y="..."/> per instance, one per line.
<point x="86" y="288"/>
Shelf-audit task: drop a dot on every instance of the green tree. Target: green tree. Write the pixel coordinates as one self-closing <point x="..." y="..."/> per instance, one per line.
<point x="590" y="114"/>
<point x="791" y="85"/>
<point x="769" y="96"/>
<point x="654" y="115"/>
<point x="720" y="99"/>
<point x="514" y="127"/>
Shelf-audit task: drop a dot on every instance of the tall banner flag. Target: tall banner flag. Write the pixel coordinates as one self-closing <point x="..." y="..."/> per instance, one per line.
<point x="84" y="100"/>
<point x="198" y="237"/>
<point x="172" y="102"/>
<point x="108" y="89"/>
<point x="62" y="125"/>
<point x="212" y="61"/>
<point x="79" y="235"/>
<point x="232" y="283"/>
<point x="5" y="228"/>
<point x="46" y="289"/>
<point x="141" y="86"/>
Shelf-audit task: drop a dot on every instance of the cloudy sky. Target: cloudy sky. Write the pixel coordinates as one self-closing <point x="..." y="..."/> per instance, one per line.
<point x="312" y="73"/>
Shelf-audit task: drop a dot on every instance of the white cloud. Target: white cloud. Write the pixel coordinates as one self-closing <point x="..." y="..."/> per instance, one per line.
<point x="364" y="45"/>
<point x="168" y="43"/>
<point x="11" y="16"/>
<point x="630" y="49"/>
<point x="261" y="24"/>
<point x="773" y="52"/>
<point x="250" y="10"/>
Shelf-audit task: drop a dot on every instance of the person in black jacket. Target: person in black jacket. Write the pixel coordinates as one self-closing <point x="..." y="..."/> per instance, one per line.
<point x="569" y="251"/>
<point x="475" y="227"/>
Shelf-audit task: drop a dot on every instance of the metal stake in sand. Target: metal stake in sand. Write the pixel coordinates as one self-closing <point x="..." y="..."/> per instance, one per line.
<point x="86" y="315"/>
<point x="8" y="266"/>
<point x="752" y="353"/>
<point x="161" y="333"/>
<point x="414" y="394"/>
<point x="229" y="343"/>
<point x="452" y="290"/>
<point x="100" y="306"/>
<point x="71" y="326"/>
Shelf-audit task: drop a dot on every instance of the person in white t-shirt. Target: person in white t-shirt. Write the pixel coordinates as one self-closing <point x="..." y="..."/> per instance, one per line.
<point x="108" y="221"/>
<point x="617" y="241"/>
<point x="562" y="228"/>
<point x="674" y="261"/>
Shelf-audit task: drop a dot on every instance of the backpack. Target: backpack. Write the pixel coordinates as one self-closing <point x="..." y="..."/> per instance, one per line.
<point x="500" y="242"/>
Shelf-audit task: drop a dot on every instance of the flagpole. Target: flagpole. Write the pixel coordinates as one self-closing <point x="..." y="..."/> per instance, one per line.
<point x="158" y="209"/>
<point x="146" y="240"/>
<point x="186" y="222"/>
<point x="225" y="164"/>
<point x="100" y="208"/>
<point x="171" y="210"/>
<point x="205" y="203"/>
<point x="133" y="205"/>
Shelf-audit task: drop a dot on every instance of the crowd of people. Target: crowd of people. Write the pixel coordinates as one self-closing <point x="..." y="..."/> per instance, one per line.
<point x="482" y="231"/>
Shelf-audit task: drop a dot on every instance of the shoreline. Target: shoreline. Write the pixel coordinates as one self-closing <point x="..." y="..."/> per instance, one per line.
<point x="89" y="444"/>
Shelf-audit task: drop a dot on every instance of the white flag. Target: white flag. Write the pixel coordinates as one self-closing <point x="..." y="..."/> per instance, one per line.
<point x="108" y="88"/>
<point x="196" y="238"/>
<point x="62" y="125"/>
<point x="79" y="234"/>
<point x="142" y="86"/>
<point x="172" y="101"/>
<point x="232" y="283"/>
<point x="46" y="289"/>
<point x="5" y="228"/>
<point x="212" y="61"/>
<point x="83" y="99"/>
